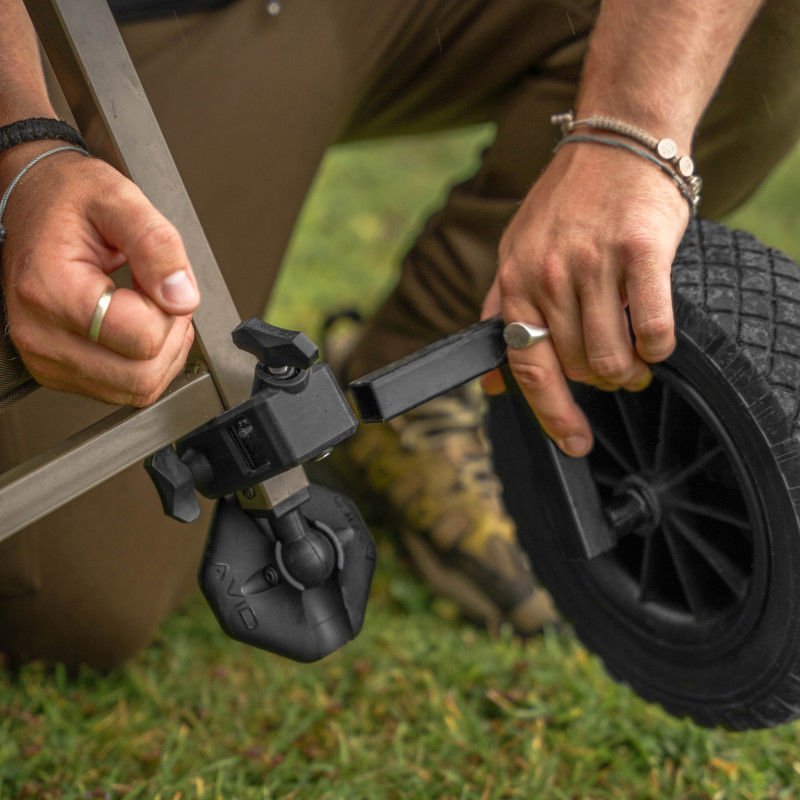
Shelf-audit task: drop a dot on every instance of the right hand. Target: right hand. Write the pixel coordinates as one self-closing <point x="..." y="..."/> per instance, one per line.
<point x="590" y="247"/>
<point x="72" y="221"/>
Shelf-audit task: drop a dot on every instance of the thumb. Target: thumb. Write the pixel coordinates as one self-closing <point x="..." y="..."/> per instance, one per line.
<point x="152" y="245"/>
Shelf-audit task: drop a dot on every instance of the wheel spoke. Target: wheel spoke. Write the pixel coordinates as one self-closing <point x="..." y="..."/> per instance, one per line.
<point x="663" y="425"/>
<point x="695" y="566"/>
<point x="712" y="512"/>
<point x="731" y="575"/>
<point x="691" y="469"/>
<point x="604" y="479"/>
<point x="690" y="582"/>
<point x="649" y="570"/>
<point x="604" y="441"/>
<point x="635" y="424"/>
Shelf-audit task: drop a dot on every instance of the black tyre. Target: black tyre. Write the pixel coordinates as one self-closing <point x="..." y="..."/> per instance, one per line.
<point x="696" y="605"/>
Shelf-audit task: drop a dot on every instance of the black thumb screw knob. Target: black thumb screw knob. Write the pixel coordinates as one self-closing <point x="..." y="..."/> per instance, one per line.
<point x="174" y="483"/>
<point x="275" y="347"/>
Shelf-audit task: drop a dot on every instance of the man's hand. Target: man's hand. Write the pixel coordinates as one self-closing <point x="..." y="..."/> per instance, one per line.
<point x="71" y="222"/>
<point x="596" y="234"/>
<point x="599" y="229"/>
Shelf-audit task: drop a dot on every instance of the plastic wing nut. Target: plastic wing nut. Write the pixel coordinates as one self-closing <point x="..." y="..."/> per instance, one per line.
<point x="273" y="346"/>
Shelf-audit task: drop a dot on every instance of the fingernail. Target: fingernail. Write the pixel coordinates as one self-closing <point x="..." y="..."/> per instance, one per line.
<point x="178" y="289"/>
<point x="575" y="445"/>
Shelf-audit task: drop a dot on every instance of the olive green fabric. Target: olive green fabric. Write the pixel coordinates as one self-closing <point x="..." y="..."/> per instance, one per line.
<point x="249" y="103"/>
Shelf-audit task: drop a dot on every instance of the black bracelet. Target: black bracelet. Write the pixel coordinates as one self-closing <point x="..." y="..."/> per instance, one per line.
<point x="38" y="129"/>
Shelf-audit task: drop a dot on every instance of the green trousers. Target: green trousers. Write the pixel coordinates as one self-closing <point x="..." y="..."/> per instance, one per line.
<point x="249" y="103"/>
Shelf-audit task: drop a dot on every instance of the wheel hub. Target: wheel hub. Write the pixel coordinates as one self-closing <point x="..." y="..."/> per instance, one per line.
<point x="635" y="506"/>
<point x="675" y="494"/>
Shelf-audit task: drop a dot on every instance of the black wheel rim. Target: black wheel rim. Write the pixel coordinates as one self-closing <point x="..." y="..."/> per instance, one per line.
<point x="689" y="563"/>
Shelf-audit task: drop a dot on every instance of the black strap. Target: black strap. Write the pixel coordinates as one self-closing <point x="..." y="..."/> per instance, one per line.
<point x="38" y="129"/>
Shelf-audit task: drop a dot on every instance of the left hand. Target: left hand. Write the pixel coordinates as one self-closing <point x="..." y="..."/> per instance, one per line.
<point x="596" y="234"/>
<point x="72" y="222"/>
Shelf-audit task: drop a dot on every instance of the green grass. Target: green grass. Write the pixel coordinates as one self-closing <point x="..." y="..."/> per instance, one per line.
<point x="774" y="213"/>
<point x="420" y="705"/>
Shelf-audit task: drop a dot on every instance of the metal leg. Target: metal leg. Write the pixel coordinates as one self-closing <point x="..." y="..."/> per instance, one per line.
<point x="51" y="479"/>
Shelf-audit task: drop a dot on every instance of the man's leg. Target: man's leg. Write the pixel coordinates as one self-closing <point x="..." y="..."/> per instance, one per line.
<point x="91" y="581"/>
<point x="754" y="120"/>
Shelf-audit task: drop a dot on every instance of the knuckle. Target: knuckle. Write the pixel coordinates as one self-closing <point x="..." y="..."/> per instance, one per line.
<point x="588" y="262"/>
<point x="533" y="377"/>
<point x="30" y="290"/>
<point x="137" y="401"/>
<point x="45" y="380"/>
<point x="146" y="351"/>
<point x="149" y="343"/>
<point x="150" y="398"/>
<point x="17" y="329"/>
<point x="636" y="247"/>
<point x="143" y="400"/>
<point x="159" y="237"/>
<point x="42" y="372"/>
<point x="551" y="276"/>
<point x="578" y="372"/>
<point x="559" y="425"/>
<point x="25" y="339"/>
<point x="120" y="190"/>
<point x="508" y="279"/>
<point x="655" y="331"/>
<point x="614" y="367"/>
<point x="145" y="385"/>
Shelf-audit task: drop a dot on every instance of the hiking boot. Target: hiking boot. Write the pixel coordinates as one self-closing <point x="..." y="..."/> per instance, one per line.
<point x="429" y="474"/>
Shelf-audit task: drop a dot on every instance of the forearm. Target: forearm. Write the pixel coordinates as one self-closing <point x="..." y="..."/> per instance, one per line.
<point x="23" y="93"/>
<point x="22" y="87"/>
<point x="657" y="64"/>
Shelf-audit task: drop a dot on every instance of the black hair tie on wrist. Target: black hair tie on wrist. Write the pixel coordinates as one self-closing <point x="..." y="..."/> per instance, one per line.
<point x="38" y="129"/>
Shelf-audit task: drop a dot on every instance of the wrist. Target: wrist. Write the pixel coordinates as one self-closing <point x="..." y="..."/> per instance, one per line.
<point x="15" y="190"/>
<point x="25" y="103"/>
<point x="659" y="119"/>
<point x="13" y="160"/>
<point x="620" y="178"/>
<point x="25" y="138"/>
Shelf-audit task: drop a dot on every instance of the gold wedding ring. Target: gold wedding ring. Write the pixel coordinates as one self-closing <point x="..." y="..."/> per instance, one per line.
<point x="520" y="334"/>
<point x="99" y="314"/>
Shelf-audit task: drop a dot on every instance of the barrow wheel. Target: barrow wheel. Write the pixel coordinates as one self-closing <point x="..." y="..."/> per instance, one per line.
<point x="695" y="599"/>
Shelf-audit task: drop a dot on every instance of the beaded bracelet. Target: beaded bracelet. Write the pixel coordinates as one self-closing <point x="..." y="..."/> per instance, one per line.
<point x="681" y="168"/>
